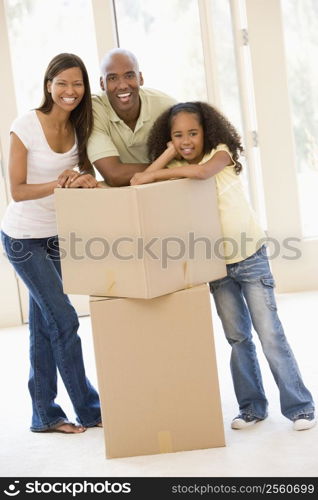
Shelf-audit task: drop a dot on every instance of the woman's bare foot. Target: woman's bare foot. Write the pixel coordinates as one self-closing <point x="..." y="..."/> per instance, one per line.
<point x="66" y="428"/>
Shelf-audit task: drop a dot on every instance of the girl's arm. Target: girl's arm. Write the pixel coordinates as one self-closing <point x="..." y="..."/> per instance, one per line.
<point x="212" y="167"/>
<point x="162" y="161"/>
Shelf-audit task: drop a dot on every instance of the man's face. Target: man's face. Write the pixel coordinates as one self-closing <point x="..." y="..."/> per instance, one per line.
<point x="121" y="82"/>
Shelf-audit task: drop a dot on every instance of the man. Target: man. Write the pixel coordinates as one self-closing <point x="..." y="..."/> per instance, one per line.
<point x="123" y="116"/>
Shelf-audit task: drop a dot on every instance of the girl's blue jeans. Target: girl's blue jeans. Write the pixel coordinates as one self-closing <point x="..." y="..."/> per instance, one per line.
<point x="245" y="298"/>
<point x="54" y="342"/>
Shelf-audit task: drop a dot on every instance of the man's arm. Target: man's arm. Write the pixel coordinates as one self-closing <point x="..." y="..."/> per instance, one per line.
<point x="115" y="173"/>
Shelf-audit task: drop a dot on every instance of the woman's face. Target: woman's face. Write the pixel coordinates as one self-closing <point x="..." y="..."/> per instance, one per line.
<point x="67" y="88"/>
<point x="187" y="136"/>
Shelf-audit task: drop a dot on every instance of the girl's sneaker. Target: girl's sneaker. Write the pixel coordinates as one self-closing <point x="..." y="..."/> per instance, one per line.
<point x="304" y="421"/>
<point x="244" y="420"/>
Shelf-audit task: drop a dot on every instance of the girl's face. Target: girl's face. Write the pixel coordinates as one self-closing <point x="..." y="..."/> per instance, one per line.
<point x="67" y="88"/>
<point x="187" y="136"/>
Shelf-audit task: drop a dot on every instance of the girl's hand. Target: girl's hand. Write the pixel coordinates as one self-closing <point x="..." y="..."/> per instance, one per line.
<point x="171" y="147"/>
<point x="84" y="181"/>
<point x="142" y="178"/>
<point x="66" y="178"/>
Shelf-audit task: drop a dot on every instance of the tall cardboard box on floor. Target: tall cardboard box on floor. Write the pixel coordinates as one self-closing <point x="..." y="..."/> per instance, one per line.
<point x="157" y="373"/>
<point x="139" y="241"/>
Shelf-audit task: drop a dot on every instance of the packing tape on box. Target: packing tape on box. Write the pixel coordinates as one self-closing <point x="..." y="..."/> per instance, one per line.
<point x="185" y="270"/>
<point x="186" y="274"/>
<point x="110" y="279"/>
<point x="165" y="442"/>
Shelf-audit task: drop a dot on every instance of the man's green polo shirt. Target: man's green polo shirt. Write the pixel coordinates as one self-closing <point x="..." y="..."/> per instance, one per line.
<point x="112" y="137"/>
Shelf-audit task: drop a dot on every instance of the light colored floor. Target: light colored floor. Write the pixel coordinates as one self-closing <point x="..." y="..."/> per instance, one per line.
<point x="268" y="449"/>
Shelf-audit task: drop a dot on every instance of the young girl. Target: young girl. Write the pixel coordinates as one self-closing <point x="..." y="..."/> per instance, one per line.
<point x="199" y="142"/>
<point x="46" y="145"/>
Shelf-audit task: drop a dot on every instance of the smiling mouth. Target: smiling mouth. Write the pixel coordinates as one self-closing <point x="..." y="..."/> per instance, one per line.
<point x="124" y="97"/>
<point x="187" y="151"/>
<point x="69" y="100"/>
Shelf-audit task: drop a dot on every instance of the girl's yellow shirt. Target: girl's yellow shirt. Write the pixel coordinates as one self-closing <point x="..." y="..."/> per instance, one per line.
<point x="242" y="233"/>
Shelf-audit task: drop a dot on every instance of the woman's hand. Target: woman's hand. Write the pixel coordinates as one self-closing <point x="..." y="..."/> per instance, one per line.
<point x="84" y="181"/>
<point x="142" y="178"/>
<point x="66" y="178"/>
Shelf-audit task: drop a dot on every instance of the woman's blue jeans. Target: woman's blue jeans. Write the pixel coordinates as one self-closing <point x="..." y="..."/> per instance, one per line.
<point x="54" y="342"/>
<point x="245" y="298"/>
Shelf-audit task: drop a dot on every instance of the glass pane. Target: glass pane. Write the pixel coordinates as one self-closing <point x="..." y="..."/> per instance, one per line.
<point x="228" y="87"/>
<point x="41" y="29"/>
<point x="166" y="39"/>
<point x="301" y="41"/>
<point x="232" y="74"/>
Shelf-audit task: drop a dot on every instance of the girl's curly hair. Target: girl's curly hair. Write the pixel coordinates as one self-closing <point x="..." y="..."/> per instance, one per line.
<point x="216" y="128"/>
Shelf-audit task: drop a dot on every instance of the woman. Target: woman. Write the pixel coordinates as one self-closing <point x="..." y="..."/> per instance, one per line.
<point x="46" y="145"/>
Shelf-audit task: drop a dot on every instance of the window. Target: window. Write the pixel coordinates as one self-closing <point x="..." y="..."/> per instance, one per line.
<point x="166" y="39"/>
<point x="301" y="44"/>
<point x="39" y="30"/>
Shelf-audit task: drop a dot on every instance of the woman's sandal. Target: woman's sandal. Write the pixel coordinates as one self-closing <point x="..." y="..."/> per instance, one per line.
<point x="67" y="428"/>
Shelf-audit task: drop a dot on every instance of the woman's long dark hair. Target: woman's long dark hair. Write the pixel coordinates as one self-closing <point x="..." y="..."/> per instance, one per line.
<point x="216" y="128"/>
<point x="82" y="116"/>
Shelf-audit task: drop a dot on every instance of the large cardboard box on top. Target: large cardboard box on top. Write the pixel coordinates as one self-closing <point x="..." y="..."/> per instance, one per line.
<point x="157" y="373"/>
<point x="139" y="241"/>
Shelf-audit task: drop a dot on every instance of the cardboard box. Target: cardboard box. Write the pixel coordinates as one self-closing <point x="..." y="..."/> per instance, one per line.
<point x="139" y="241"/>
<point x="157" y="373"/>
